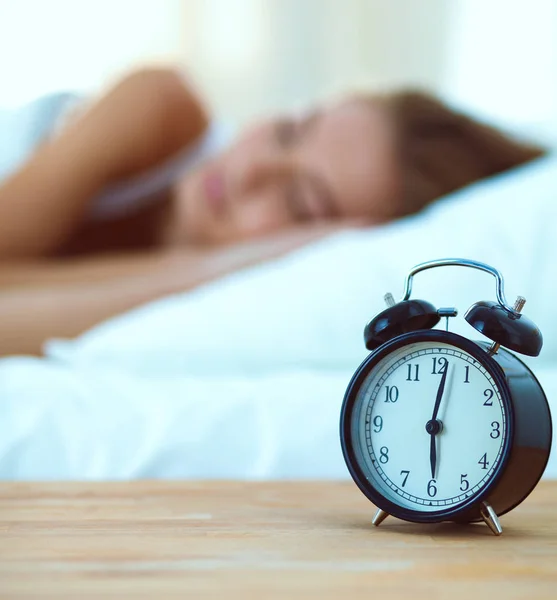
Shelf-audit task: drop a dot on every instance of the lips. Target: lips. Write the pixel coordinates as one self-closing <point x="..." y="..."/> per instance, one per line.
<point x="213" y="184"/>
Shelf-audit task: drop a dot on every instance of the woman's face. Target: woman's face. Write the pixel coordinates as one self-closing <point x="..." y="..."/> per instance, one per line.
<point x="335" y="163"/>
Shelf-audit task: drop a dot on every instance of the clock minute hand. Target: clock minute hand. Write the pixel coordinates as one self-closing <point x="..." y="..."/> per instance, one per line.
<point x="433" y="425"/>
<point x="440" y="391"/>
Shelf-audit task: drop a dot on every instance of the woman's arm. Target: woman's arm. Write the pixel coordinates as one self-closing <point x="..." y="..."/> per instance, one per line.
<point x="41" y="300"/>
<point x="146" y="118"/>
<point x="66" y="300"/>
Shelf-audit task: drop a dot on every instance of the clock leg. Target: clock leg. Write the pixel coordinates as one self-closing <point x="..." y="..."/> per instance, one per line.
<point x="379" y="517"/>
<point x="490" y="518"/>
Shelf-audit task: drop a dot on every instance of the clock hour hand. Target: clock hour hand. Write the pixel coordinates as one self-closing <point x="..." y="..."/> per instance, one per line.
<point x="433" y="427"/>
<point x="432" y="455"/>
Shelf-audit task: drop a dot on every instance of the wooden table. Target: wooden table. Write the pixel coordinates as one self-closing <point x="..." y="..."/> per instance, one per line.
<point x="260" y="540"/>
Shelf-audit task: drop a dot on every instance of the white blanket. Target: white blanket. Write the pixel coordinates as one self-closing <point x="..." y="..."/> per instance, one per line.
<point x="245" y="377"/>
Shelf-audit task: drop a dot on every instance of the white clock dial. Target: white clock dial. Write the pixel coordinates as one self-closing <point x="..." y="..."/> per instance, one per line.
<point x="406" y="463"/>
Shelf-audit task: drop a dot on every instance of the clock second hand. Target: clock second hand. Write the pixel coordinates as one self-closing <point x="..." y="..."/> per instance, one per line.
<point x="433" y="427"/>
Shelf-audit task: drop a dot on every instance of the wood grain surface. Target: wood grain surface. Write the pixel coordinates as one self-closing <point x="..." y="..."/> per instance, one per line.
<point x="260" y="540"/>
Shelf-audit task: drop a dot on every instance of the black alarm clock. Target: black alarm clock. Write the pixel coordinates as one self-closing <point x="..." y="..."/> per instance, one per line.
<point x="437" y="427"/>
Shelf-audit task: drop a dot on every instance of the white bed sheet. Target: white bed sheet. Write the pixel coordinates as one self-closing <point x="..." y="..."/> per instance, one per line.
<point x="60" y="422"/>
<point x="76" y="423"/>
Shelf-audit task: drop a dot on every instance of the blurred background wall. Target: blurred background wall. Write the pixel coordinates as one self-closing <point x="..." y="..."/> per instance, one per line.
<point x="496" y="58"/>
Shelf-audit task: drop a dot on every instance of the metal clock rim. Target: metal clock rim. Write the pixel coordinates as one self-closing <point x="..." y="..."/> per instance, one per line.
<point x="346" y="438"/>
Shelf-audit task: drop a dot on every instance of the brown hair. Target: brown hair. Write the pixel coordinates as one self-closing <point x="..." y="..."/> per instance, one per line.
<point x="441" y="150"/>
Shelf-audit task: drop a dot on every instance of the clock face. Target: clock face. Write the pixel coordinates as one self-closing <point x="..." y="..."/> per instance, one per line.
<point x="429" y="426"/>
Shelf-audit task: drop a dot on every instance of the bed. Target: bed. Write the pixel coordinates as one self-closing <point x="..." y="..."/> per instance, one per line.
<point x="244" y="377"/>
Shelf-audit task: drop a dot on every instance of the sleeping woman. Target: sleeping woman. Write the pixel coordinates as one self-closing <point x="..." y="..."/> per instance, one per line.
<point x="131" y="198"/>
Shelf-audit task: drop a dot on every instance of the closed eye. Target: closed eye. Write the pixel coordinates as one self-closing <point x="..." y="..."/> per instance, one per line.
<point x="285" y="132"/>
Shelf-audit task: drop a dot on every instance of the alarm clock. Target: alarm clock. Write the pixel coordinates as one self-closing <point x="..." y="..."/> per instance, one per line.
<point x="438" y="427"/>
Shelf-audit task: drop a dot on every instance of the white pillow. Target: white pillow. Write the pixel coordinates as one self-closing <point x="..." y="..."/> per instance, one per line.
<point x="310" y="307"/>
